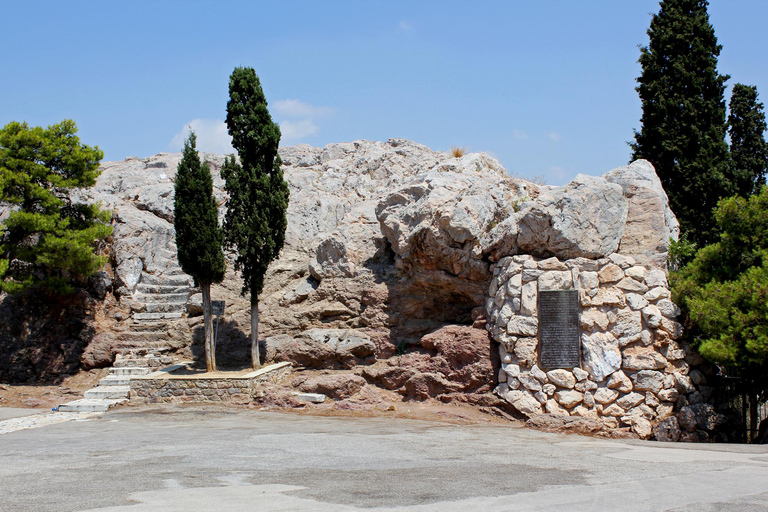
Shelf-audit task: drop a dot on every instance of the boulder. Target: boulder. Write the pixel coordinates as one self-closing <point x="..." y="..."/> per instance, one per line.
<point x="339" y="386"/>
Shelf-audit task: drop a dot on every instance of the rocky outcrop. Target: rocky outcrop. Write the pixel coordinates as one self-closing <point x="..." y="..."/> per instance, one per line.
<point x="390" y="238"/>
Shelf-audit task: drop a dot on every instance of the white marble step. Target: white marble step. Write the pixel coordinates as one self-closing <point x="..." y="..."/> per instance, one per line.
<point x="108" y="392"/>
<point x="129" y="370"/>
<point x="115" y="380"/>
<point x="89" y="405"/>
<point x="155" y="316"/>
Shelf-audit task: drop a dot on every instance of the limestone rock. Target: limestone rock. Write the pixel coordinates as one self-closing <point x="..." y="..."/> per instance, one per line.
<point x="631" y="400"/>
<point x="642" y="358"/>
<point x="562" y="378"/>
<point x="620" y="382"/>
<point x="650" y="222"/>
<point x="568" y="398"/>
<point x="605" y="395"/>
<point x="524" y="402"/>
<point x="648" y="380"/>
<point x="339" y="386"/>
<point x="322" y="348"/>
<point x="584" y="218"/>
<point x="601" y="354"/>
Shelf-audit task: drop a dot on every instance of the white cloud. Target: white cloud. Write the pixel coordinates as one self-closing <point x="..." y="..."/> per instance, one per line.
<point x="297" y="119"/>
<point x="553" y="136"/>
<point x="297" y="108"/>
<point x="404" y="25"/>
<point x="294" y="131"/>
<point x="520" y="134"/>
<point x="212" y="136"/>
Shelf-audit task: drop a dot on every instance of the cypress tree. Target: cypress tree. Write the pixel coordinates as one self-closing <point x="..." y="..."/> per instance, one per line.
<point x="683" y="121"/>
<point x="199" y="238"/>
<point x="255" y="221"/>
<point x="749" y="151"/>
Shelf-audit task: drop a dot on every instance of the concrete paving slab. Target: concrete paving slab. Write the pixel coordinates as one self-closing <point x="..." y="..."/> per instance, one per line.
<point x="205" y="458"/>
<point x="7" y="413"/>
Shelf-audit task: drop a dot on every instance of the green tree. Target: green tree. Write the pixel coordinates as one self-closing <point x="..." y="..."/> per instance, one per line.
<point x="724" y="294"/>
<point x="255" y="221"/>
<point x="683" y="121"/>
<point x="48" y="238"/>
<point x="199" y="238"/>
<point x="749" y="151"/>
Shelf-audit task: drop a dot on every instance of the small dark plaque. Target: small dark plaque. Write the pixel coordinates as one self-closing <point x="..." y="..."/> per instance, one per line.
<point x="559" y="329"/>
<point x="217" y="307"/>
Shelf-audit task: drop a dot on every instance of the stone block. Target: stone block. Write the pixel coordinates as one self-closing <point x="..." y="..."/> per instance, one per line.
<point x="611" y="273"/>
<point x="605" y="396"/>
<point x="568" y="398"/>
<point x="601" y="354"/>
<point x="648" y="380"/>
<point x="637" y="273"/>
<point x="523" y="326"/>
<point x="562" y="378"/>
<point x="556" y="280"/>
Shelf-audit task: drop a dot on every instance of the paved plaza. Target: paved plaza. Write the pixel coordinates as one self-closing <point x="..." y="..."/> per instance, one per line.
<point x="202" y="459"/>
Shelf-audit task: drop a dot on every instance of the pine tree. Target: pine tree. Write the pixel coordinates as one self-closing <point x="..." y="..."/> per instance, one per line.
<point x="48" y="239"/>
<point x="683" y="120"/>
<point x="199" y="238"/>
<point x="255" y="221"/>
<point x="749" y="151"/>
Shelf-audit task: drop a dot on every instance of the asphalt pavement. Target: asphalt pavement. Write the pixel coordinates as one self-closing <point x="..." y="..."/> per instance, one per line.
<point x="202" y="459"/>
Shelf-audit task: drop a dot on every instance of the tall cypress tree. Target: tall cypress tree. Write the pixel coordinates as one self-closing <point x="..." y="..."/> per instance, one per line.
<point x="255" y="221"/>
<point x="749" y="151"/>
<point x="683" y="121"/>
<point x="199" y="238"/>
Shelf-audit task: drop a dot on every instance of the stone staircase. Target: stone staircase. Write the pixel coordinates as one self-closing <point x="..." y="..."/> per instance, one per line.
<point x="115" y="388"/>
<point x="162" y="296"/>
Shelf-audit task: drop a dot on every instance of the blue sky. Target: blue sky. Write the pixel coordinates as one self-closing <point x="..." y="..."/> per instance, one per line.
<point x="547" y="87"/>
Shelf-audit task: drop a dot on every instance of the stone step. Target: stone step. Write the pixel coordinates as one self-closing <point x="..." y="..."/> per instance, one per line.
<point x="143" y="288"/>
<point x="115" y="380"/>
<point x="129" y="370"/>
<point x="149" y="360"/>
<point x="156" y="316"/>
<point x="137" y="352"/>
<point x="163" y="307"/>
<point x="166" y="280"/>
<point x="147" y="326"/>
<point x="174" y="271"/>
<point x="90" y="405"/>
<point x="162" y="298"/>
<point x="141" y="336"/>
<point x="108" y="392"/>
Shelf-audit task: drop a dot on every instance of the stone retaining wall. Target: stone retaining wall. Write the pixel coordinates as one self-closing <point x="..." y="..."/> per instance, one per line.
<point x="161" y="387"/>
<point x="633" y="372"/>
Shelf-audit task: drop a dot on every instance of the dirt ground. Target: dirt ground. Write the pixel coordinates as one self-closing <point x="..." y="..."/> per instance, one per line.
<point x="379" y="402"/>
<point x="46" y="396"/>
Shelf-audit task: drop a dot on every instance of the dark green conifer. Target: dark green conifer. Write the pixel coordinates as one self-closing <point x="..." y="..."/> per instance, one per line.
<point x="255" y="221"/>
<point x="199" y="238"/>
<point x="683" y="121"/>
<point x="749" y="151"/>
<point x="48" y="239"/>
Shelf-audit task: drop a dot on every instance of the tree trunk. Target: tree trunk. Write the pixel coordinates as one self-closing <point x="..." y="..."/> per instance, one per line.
<point x="255" y="359"/>
<point x="753" y="427"/>
<point x="210" y="347"/>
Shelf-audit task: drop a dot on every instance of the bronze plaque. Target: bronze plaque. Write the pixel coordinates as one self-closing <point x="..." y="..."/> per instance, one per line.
<point x="560" y="344"/>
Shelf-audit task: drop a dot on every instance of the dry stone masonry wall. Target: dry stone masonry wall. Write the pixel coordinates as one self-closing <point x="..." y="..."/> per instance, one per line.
<point x="633" y="372"/>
